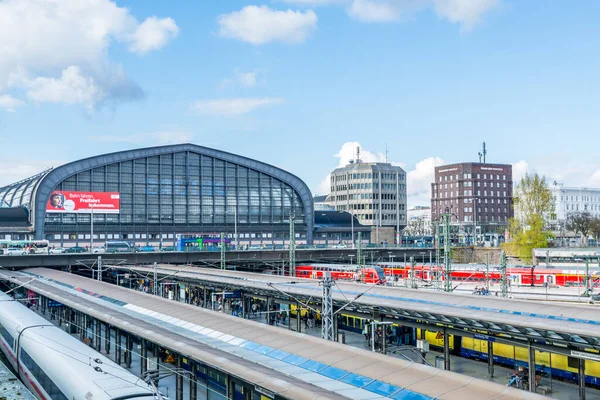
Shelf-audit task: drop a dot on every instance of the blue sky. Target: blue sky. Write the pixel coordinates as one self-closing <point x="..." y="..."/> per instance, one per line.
<point x="296" y="82"/>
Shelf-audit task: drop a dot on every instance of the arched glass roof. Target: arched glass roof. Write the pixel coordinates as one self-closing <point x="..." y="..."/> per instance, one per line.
<point x="19" y="193"/>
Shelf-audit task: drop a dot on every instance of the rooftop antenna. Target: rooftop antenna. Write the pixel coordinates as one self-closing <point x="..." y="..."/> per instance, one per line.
<point x="386" y="153"/>
<point x="482" y="154"/>
<point x="357" y="154"/>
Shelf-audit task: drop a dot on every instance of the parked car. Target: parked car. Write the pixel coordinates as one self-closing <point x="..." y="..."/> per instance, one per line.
<point x="168" y="248"/>
<point x="146" y="249"/>
<point x="56" y="250"/>
<point x="340" y="246"/>
<point x="279" y="247"/>
<point x="269" y="246"/>
<point x="99" y="250"/>
<point x="75" y="249"/>
<point x="15" y="251"/>
<point x="255" y="247"/>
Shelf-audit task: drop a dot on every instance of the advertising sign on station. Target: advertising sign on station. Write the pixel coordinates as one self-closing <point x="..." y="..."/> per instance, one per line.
<point x="84" y="202"/>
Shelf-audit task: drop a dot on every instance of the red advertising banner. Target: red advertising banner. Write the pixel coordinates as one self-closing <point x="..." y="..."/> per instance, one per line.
<point x="84" y="202"/>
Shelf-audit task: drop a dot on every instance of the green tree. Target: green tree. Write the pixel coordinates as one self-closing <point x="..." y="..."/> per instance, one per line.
<point x="595" y="228"/>
<point x="581" y="223"/>
<point x="534" y="207"/>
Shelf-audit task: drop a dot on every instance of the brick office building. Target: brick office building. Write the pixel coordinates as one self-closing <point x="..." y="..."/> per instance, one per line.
<point x="477" y="195"/>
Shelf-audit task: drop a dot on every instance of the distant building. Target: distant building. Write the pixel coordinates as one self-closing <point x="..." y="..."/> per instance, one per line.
<point x="477" y="195"/>
<point x="321" y="204"/>
<point x="419" y="222"/>
<point x="568" y="200"/>
<point x="374" y="192"/>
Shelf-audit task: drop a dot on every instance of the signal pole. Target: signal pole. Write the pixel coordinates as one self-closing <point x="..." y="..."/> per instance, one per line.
<point x="413" y="284"/>
<point x="504" y="280"/>
<point x="328" y="328"/>
<point x="222" y="250"/>
<point x="447" y="261"/>
<point x="292" y="245"/>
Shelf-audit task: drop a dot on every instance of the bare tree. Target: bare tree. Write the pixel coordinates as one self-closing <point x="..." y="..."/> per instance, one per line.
<point x="580" y="222"/>
<point x="595" y="228"/>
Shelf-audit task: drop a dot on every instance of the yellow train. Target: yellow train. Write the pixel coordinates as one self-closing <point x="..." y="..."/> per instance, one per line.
<point x="560" y="366"/>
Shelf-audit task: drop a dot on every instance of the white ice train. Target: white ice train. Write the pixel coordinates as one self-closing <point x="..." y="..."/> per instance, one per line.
<point x="56" y="366"/>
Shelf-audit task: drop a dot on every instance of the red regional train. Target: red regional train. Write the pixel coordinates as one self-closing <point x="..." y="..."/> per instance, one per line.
<point x="372" y="274"/>
<point x="477" y="273"/>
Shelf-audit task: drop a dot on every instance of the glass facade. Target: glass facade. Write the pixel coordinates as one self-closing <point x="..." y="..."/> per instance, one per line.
<point x="20" y="193"/>
<point x="182" y="193"/>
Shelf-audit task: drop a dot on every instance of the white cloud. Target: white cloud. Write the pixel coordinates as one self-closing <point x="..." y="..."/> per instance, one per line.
<point x="374" y="11"/>
<point x="468" y="13"/>
<point x="10" y="103"/>
<point x="153" y="34"/>
<point x="260" y="25"/>
<point x="232" y="107"/>
<point x="419" y="179"/>
<point x="519" y="169"/>
<point x="246" y="79"/>
<point x="315" y="2"/>
<point x="16" y="169"/>
<point x="70" y="88"/>
<point x="42" y="39"/>
<point x="348" y="152"/>
<point x="157" y="138"/>
<point x="465" y="12"/>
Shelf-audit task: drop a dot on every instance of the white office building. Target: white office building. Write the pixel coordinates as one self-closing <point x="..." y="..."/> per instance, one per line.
<point x="374" y="192"/>
<point x="569" y="200"/>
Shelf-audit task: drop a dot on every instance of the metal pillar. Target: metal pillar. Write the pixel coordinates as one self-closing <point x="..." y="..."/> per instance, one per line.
<point x="204" y="302"/>
<point x="504" y="280"/>
<point x="99" y="273"/>
<point x="155" y="280"/>
<point x="118" y="346"/>
<point x="292" y="245"/>
<point x="413" y="283"/>
<point x="581" y="374"/>
<point x="447" y="261"/>
<point x="107" y="338"/>
<point x="487" y="271"/>
<point x="531" y="368"/>
<point x="359" y="251"/>
<point x="491" y="359"/>
<point x="193" y="381"/>
<point x="98" y="335"/>
<point x="268" y="314"/>
<point x="328" y="329"/>
<point x="143" y="356"/>
<point x="223" y="251"/>
<point x="587" y="278"/>
<point x="243" y="306"/>
<point x="128" y="349"/>
<point x="446" y="350"/>
<point x="178" y="380"/>
<point x="298" y="319"/>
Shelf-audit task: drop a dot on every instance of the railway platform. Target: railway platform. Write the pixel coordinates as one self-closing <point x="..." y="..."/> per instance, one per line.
<point x="252" y="359"/>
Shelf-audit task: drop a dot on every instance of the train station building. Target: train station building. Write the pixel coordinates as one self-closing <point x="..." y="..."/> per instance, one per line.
<point x="154" y="195"/>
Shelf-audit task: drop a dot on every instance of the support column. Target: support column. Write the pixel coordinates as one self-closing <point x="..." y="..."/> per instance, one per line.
<point x="446" y="350"/>
<point x="298" y="319"/>
<point x="128" y="349"/>
<point x="205" y="305"/>
<point x="531" y="368"/>
<point x="107" y="338"/>
<point x="268" y="314"/>
<point x="179" y="380"/>
<point x="230" y="388"/>
<point x="118" y="346"/>
<point x="98" y="335"/>
<point x="156" y="350"/>
<point x="243" y="305"/>
<point x="193" y="381"/>
<point x="491" y="359"/>
<point x="43" y="300"/>
<point x="581" y="379"/>
<point x="72" y="321"/>
<point x="143" y="356"/>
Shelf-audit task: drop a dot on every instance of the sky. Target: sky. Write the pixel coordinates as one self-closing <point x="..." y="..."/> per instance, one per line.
<point x="300" y="83"/>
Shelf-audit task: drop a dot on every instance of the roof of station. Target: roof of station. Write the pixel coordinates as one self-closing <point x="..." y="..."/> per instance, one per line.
<point x="20" y="193"/>
<point x="561" y="324"/>
<point x="332" y="369"/>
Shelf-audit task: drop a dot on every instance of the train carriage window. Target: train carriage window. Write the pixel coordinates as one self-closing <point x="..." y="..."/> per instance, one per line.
<point x="39" y="374"/>
<point x="7" y="336"/>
